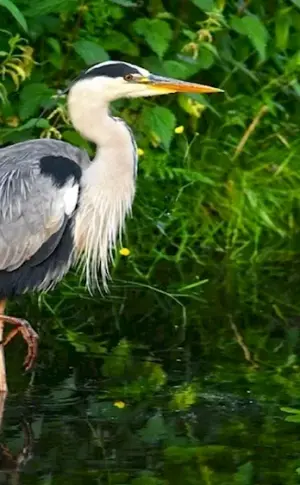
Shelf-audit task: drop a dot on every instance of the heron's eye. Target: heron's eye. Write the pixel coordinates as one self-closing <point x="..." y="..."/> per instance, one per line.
<point x="128" y="77"/>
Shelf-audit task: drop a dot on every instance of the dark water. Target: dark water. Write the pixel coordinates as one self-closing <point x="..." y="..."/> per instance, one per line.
<point x="140" y="415"/>
<point x="125" y="395"/>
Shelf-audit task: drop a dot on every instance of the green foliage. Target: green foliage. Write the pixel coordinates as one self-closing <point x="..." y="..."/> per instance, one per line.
<point x="206" y="5"/>
<point x="90" y="52"/>
<point x="32" y="97"/>
<point x="244" y="475"/>
<point x="146" y="479"/>
<point x="117" y="363"/>
<point x="296" y="2"/>
<point x="294" y="414"/>
<point x="160" y="123"/>
<point x="214" y="243"/>
<point x="255" y="30"/>
<point x="120" y="366"/>
<point x="15" y="12"/>
<point x="183" y="398"/>
<point x="155" y="429"/>
<point x="157" y="34"/>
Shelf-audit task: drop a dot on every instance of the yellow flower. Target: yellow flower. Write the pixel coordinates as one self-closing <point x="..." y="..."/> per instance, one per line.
<point x="119" y="404"/>
<point x="124" y="252"/>
<point x="13" y="121"/>
<point x="155" y="140"/>
<point x="140" y="152"/>
<point x="179" y="129"/>
<point x="195" y="108"/>
<point x="83" y="8"/>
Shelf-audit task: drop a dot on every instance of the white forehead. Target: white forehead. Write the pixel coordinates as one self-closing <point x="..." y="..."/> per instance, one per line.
<point x="141" y="70"/>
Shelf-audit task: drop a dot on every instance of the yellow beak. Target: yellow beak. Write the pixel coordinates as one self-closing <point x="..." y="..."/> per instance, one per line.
<point x="175" y="86"/>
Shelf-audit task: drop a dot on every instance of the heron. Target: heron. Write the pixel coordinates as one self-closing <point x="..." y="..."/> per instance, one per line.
<point x="58" y="208"/>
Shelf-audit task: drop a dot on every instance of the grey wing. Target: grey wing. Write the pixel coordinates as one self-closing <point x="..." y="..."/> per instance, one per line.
<point x="34" y="207"/>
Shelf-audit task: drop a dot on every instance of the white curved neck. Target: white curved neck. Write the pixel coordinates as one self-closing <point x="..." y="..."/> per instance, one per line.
<point x="108" y="184"/>
<point x="90" y="116"/>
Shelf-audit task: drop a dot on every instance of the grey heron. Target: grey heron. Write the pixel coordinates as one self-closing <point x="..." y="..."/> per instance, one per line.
<point x="58" y="207"/>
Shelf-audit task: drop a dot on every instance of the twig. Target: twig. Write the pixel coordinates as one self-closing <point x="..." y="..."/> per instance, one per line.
<point x="249" y="131"/>
<point x="242" y="344"/>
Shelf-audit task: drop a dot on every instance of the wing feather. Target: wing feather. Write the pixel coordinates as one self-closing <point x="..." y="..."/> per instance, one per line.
<point x="33" y="209"/>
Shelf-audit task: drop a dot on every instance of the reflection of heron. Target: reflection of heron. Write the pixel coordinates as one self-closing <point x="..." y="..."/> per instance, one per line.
<point x="56" y="206"/>
<point x="11" y="465"/>
<point x="14" y="463"/>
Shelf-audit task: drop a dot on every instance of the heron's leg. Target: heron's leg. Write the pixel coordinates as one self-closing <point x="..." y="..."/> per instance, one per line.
<point x="3" y="383"/>
<point x="28" y="334"/>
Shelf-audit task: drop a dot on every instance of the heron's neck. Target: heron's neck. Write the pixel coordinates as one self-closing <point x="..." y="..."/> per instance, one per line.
<point x="108" y="185"/>
<point x="91" y="118"/>
<point x="116" y="155"/>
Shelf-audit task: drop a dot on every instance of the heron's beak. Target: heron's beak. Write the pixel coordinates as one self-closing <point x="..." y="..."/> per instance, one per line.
<point x="169" y="85"/>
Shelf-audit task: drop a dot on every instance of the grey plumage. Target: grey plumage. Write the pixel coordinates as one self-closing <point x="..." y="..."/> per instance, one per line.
<point x="32" y="207"/>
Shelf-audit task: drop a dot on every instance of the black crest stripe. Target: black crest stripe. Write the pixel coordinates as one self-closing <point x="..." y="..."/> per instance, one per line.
<point x="118" y="69"/>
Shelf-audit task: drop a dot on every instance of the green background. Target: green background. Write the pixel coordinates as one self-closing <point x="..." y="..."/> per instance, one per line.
<point x="202" y="321"/>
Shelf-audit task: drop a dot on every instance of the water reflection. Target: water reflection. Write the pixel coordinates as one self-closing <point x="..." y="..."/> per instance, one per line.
<point x="15" y="456"/>
<point x="147" y="418"/>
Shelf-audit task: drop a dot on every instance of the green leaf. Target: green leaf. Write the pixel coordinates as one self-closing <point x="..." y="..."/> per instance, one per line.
<point x="90" y="52"/>
<point x="293" y="63"/>
<point x="244" y="475"/>
<point x="205" y="5"/>
<point x="157" y="33"/>
<point x="118" y="361"/>
<point x="293" y="419"/>
<point x="184" y="397"/>
<point x="237" y="25"/>
<point x="39" y="8"/>
<point x="296" y="2"/>
<point x="117" y="41"/>
<point x="147" y="478"/>
<point x="290" y="410"/>
<point x="125" y="3"/>
<point x="76" y="139"/>
<point x="15" y="12"/>
<point x="160" y="121"/>
<point x="255" y="30"/>
<point x="178" y="69"/>
<point x="32" y="97"/>
<point x="206" y="59"/>
<point x="155" y="429"/>
<point x="181" y="70"/>
<point x="55" y="56"/>
<point x="34" y="123"/>
<point x="282" y="29"/>
<point x="55" y="44"/>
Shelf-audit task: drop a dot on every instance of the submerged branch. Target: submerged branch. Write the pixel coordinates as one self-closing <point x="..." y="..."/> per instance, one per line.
<point x="242" y="344"/>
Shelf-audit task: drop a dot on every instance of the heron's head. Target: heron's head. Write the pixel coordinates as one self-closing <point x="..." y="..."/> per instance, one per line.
<point x="113" y="80"/>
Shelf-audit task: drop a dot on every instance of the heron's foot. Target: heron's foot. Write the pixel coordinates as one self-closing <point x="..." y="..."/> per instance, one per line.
<point x="28" y="334"/>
